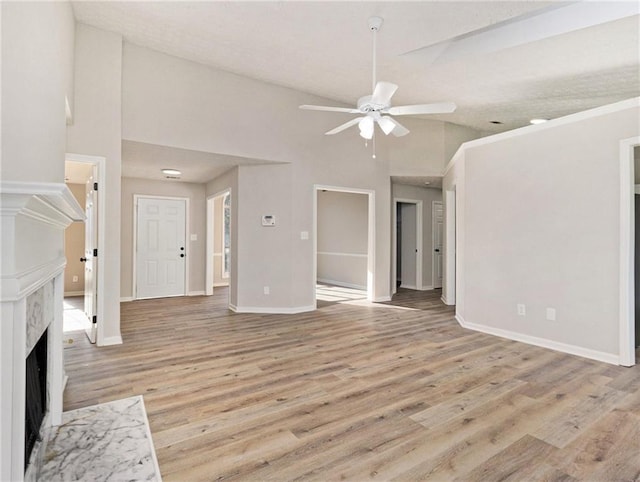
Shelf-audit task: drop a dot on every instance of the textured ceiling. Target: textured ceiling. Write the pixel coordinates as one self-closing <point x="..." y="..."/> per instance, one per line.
<point x="324" y="48"/>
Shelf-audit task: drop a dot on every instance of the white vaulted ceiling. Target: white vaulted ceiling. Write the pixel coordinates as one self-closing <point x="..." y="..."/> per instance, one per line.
<point x="324" y="48"/>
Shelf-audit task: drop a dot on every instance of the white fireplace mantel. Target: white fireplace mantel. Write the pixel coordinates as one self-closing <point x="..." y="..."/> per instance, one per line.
<point x="33" y="218"/>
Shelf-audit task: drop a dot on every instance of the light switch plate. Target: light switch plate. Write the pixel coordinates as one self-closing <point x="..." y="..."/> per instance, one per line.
<point x="194" y="237"/>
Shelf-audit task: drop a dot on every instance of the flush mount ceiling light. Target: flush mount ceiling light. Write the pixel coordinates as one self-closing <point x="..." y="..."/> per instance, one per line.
<point x="538" y="121"/>
<point x="171" y="172"/>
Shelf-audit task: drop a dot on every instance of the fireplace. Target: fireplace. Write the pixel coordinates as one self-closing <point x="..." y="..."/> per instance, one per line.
<point x="36" y="395"/>
<point x="33" y="217"/>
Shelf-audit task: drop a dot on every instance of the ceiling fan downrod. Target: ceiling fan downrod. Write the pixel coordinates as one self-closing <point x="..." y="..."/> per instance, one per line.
<point x="374" y="25"/>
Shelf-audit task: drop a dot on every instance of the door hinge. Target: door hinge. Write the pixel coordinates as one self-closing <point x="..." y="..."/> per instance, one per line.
<point x="94" y="320"/>
<point x="95" y="253"/>
<point x="95" y="186"/>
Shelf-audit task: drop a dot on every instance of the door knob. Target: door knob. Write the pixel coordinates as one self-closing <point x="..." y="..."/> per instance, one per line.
<point x="437" y="250"/>
<point x="83" y="260"/>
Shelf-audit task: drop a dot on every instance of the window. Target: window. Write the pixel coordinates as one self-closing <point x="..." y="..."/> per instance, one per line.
<point x="226" y="235"/>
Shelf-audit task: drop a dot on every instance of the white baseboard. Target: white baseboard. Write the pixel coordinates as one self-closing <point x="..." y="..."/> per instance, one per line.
<point x="343" y="284"/>
<point x="195" y="293"/>
<point x="73" y="293"/>
<point x="382" y="299"/>
<point x="111" y="340"/>
<point x="427" y="288"/>
<point x="542" y="342"/>
<point x="446" y="301"/>
<point x="220" y="285"/>
<point x="272" y="310"/>
<point x="126" y="299"/>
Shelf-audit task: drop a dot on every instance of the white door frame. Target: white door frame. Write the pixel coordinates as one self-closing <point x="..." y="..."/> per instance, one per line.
<point x="371" y="238"/>
<point x="209" y="277"/>
<point x="135" y="238"/>
<point x="99" y="162"/>
<point x="449" y="287"/>
<point x="627" y="252"/>
<point x="394" y="242"/>
<point x="434" y="267"/>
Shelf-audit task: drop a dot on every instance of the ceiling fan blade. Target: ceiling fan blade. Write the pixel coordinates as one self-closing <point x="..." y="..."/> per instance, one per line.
<point x="346" y="110"/>
<point x="399" y="130"/>
<point x="383" y="92"/>
<point x="344" y="126"/>
<point x="440" y="108"/>
<point x="556" y="19"/>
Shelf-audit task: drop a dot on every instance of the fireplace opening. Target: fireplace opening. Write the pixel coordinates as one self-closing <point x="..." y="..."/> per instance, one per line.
<point x="36" y="395"/>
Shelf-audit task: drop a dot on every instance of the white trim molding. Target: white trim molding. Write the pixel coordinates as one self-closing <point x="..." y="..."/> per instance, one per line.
<point x="542" y="342"/>
<point x="282" y="310"/>
<point x="111" y="340"/>
<point x="342" y="284"/>
<point x="627" y="252"/>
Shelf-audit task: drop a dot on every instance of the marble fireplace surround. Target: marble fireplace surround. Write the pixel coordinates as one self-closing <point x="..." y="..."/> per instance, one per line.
<point x="33" y="218"/>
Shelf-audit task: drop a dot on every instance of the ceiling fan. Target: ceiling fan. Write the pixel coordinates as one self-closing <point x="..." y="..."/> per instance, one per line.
<point x="376" y="108"/>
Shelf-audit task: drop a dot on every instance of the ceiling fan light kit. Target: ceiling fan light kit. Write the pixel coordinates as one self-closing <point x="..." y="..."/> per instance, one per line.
<point x="376" y="108"/>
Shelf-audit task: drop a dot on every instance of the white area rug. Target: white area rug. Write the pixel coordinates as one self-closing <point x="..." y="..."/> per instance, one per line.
<point x="106" y="442"/>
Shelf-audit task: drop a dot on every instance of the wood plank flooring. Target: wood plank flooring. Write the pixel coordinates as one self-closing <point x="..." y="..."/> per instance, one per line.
<point x="358" y="391"/>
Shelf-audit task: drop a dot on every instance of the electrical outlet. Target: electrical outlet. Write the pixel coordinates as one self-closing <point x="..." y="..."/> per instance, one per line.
<point x="551" y="314"/>
<point x="522" y="310"/>
<point x="75" y="279"/>
<point x="266" y="290"/>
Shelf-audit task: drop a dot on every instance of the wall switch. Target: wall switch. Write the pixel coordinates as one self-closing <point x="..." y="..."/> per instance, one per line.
<point x="304" y="234"/>
<point x="75" y="279"/>
<point x="522" y="310"/>
<point x="194" y="237"/>
<point x="266" y="290"/>
<point x="551" y="314"/>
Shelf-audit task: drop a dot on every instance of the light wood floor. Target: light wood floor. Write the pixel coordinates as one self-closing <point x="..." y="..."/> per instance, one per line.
<point x="357" y="391"/>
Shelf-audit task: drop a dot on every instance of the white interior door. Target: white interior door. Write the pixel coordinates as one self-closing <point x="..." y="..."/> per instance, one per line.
<point x="408" y="246"/>
<point x="438" y="227"/>
<point x="160" y="247"/>
<point x="90" y="256"/>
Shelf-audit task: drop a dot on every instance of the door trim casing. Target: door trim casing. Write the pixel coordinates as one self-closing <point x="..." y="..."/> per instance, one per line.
<point x="371" y="237"/>
<point x="419" y="243"/>
<point x="187" y="239"/>
<point x="433" y="244"/>
<point x="627" y="355"/>
<point x="209" y="276"/>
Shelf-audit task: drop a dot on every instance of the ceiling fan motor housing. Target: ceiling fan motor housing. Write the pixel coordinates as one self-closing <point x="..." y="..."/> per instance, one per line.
<point x="365" y="105"/>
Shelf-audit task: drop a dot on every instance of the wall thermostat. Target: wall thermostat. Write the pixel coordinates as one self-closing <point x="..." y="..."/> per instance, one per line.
<point x="269" y="220"/>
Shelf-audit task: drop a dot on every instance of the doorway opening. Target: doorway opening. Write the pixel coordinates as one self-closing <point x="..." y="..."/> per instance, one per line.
<point x="407" y="244"/>
<point x="84" y="272"/>
<point x="218" y="256"/>
<point x="343" y="244"/>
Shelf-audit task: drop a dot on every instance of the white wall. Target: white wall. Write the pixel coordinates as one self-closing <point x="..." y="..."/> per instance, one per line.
<point x="96" y="131"/>
<point x="538" y="224"/>
<point x="197" y="211"/>
<point x="37" y="74"/>
<point x="427" y="196"/>
<point x="342" y="238"/>
<point x="170" y="101"/>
